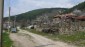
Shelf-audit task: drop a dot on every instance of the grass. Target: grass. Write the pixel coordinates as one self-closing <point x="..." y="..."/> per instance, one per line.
<point x="76" y="39"/>
<point x="6" y="40"/>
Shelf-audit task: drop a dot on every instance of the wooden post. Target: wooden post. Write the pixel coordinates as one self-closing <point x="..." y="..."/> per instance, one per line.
<point x="9" y="21"/>
<point x="1" y="17"/>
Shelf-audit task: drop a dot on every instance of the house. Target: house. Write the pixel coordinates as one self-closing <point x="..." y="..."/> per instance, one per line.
<point x="82" y="18"/>
<point x="6" y="24"/>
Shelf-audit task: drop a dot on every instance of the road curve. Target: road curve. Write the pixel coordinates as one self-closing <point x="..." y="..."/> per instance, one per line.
<point x="27" y="39"/>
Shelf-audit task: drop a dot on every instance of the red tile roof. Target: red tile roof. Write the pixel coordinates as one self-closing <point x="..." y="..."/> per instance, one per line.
<point x="80" y="17"/>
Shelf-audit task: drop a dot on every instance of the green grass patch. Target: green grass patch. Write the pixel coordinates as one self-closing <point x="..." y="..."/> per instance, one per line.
<point x="77" y="38"/>
<point x="6" y="40"/>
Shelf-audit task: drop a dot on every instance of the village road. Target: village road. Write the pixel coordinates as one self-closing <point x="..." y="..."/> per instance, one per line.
<point x="27" y="39"/>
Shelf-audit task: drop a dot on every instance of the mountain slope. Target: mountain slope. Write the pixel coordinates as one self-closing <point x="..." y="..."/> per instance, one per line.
<point x="34" y="13"/>
<point x="80" y="6"/>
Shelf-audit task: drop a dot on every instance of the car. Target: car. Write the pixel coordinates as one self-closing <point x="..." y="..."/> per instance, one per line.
<point x="14" y="30"/>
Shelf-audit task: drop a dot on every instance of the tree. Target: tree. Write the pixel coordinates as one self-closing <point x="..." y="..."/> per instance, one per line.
<point x="77" y="12"/>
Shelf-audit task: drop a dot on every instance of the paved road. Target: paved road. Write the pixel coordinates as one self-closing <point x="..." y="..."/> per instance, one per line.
<point x="26" y="39"/>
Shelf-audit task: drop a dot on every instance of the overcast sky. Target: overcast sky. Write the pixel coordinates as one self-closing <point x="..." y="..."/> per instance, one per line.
<point x="21" y="6"/>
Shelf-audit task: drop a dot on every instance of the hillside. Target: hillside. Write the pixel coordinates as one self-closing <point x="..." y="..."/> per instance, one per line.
<point x="80" y="6"/>
<point x="34" y="13"/>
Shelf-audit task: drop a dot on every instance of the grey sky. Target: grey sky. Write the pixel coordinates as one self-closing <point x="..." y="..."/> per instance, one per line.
<point x="21" y="6"/>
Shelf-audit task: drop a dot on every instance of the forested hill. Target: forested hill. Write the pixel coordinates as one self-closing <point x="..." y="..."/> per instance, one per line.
<point x="34" y="13"/>
<point x="80" y="6"/>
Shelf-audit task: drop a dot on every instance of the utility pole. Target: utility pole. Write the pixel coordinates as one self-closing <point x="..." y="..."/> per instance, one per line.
<point x="1" y="18"/>
<point x="14" y="21"/>
<point x="9" y="22"/>
<point x="9" y="26"/>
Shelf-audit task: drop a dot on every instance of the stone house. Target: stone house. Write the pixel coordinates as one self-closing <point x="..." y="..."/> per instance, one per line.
<point x="6" y="24"/>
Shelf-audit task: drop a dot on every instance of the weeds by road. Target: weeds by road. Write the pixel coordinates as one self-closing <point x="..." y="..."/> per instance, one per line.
<point x="6" y="41"/>
<point x="77" y="39"/>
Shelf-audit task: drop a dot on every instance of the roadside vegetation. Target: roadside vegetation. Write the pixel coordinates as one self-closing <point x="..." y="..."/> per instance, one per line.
<point x="6" y="40"/>
<point x="77" y="39"/>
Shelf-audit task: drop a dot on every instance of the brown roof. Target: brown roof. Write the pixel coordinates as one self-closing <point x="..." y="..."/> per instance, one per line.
<point x="80" y="17"/>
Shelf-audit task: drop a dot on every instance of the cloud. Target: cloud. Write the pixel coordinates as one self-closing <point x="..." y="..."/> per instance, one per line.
<point x="21" y="6"/>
